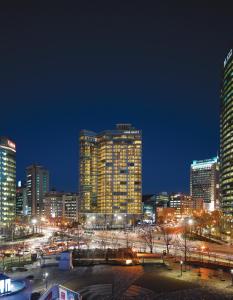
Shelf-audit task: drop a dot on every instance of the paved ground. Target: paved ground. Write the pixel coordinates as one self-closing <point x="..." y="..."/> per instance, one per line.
<point x="166" y="284"/>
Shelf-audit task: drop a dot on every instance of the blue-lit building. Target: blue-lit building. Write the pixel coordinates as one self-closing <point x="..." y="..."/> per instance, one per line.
<point x="151" y="202"/>
<point x="7" y="181"/>
<point x="149" y="205"/>
<point x="204" y="182"/>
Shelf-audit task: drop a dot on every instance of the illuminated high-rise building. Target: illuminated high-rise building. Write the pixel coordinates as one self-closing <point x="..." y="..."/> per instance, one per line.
<point x="37" y="186"/>
<point x="226" y="136"/>
<point x="7" y="181"/>
<point x="111" y="171"/>
<point x="204" y="182"/>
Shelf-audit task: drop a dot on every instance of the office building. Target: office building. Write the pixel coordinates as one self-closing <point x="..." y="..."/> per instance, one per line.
<point x="184" y="205"/>
<point x="149" y="206"/>
<point x="61" y="206"/>
<point x="21" y="207"/>
<point x="204" y="182"/>
<point x="37" y="186"/>
<point x="162" y="199"/>
<point x="226" y="136"/>
<point x="111" y="171"/>
<point x="7" y="181"/>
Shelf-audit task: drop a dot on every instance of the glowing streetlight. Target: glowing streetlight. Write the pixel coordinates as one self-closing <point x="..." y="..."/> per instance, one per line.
<point x="181" y="268"/>
<point x="46" y="275"/>
<point x="34" y="221"/>
<point x="232" y="277"/>
<point x="188" y="221"/>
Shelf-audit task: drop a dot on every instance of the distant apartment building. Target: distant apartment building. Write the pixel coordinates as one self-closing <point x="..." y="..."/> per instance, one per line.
<point x="111" y="171"/>
<point x="204" y="182"/>
<point x="21" y="207"/>
<point x="37" y="186"/>
<point x="61" y="206"/>
<point x="7" y="181"/>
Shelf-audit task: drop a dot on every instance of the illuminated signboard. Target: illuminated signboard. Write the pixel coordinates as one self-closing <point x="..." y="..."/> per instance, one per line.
<point x="206" y="163"/>
<point x="67" y="294"/>
<point x="132" y="132"/>
<point x="228" y="57"/>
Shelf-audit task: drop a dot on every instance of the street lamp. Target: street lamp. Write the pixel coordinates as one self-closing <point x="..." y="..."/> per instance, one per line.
<point x="181" y="268"/>
<point x="46" y="279"/>
<point x="202" y="252"/>
<point x="34" y="221"/>
<point x="232" y="277"/>
<point x="188" y="221"/>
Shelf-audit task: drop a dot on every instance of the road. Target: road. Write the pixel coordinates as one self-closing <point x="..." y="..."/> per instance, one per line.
<point x="195" y="248"/>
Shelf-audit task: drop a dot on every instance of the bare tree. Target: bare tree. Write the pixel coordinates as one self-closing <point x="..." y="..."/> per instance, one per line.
<point x="147" y="234"/>
<point x="114" y="240"/>
<point x="168" y="235"/>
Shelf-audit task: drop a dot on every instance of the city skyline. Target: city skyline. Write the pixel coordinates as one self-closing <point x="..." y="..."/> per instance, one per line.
<point x="116" y="150"/>
<point x="58" y="93"/>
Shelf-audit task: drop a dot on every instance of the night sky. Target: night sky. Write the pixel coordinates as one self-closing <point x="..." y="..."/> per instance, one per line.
<point x="91" y="64"/>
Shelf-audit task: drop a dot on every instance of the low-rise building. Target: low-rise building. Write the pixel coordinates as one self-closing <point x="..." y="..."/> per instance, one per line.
<point x="61" y="206"/>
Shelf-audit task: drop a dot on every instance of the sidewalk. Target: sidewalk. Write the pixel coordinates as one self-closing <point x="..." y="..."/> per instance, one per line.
<point x="214" y="279"/>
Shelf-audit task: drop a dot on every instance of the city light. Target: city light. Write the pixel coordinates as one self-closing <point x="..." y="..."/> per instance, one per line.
<point x="190" y="221"/>
<point x="120" y="210"/>
<point x="34" y="221"/>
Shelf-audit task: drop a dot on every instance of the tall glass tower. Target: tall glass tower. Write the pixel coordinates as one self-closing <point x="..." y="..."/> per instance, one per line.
<point x="111" y="171"/>
<point x="226" y="136"/>
<point x="7" y="181"/>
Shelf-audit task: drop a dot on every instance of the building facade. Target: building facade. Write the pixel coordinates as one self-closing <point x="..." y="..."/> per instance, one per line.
<point x="226" y="136"/>
<point x="7" y="181"/>
<point x="204" y="182"/>
<point x="149" y="207"/>
<point x="162" y="199"/>
<point x="111" y="171"/>
<point x="184" y="205"/>
<point x="61" y="206"/>
<point x="37" y="186"/>
<point x="21" y="206"/>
